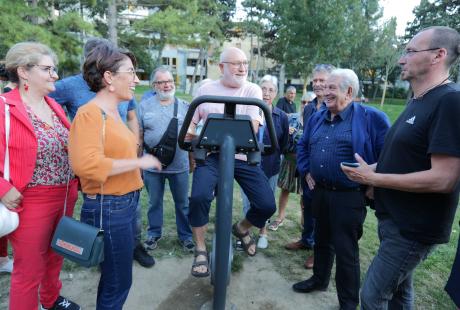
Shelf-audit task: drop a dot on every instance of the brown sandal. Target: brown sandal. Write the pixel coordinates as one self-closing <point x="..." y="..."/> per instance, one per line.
<point x="202" y="263"/>
<point x="241" y="236"/>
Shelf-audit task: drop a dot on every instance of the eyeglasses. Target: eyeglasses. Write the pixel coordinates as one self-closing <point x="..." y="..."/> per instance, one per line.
<point x="268" y="90"/>
<point x="236" y="64"/>
<point x="51" y="70"/>
<point x="161" y="83"/>
<point x="411" y="52"/>
<point x="132" y="71"/>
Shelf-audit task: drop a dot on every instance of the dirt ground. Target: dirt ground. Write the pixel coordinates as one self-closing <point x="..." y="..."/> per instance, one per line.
<point x="169" y="286"/>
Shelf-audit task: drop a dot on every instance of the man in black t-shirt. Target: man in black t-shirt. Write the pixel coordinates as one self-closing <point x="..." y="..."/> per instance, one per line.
<point x="416" y="176"/>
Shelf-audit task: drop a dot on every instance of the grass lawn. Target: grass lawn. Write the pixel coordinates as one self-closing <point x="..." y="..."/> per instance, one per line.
<point x="430" y="277"/>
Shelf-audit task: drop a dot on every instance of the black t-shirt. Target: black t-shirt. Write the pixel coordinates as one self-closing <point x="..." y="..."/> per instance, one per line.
<point x="430" y="125"/>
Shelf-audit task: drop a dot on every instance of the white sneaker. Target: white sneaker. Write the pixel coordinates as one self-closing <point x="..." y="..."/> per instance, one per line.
<point x="262" y="243"/>
<point x="7" y="266"/>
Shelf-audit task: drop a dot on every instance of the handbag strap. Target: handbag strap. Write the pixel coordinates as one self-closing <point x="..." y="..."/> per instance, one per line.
<point x="6" y="164"/>
<point x="176" y="104"/>
<point x="104" y="118"/>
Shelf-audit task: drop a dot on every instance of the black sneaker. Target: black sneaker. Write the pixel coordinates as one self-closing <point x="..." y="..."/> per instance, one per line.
<point x="63" y="303"/>
<point x="142" y="257"/>
<point x="151" y="243"/>
<point x="188" y="246"/>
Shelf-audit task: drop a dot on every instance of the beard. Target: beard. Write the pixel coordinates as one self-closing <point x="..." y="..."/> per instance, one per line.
<point x="233" y="80"/>
<point x="166" y="95"/>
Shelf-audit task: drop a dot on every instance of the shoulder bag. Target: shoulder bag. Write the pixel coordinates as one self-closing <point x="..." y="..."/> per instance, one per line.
<point x="165" y="150"/>
<point x="9" y="220"/>
<point x="77" y="241"/>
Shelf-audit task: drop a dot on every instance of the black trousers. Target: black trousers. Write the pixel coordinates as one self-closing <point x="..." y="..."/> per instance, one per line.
<point x="339" y="225"/>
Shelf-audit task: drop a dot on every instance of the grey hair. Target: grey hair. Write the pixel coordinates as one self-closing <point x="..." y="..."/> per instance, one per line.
<point x="326" y="68"/>
<point x="162" y="69"/>
<point x="271" y="79"/>
<point x="448" y="38"/>
<point x="92" y="43"/>
<point x="290" y="88"/>
<point x="25" y="54"/>
<point x="348" y="78"/>
<point x="308" y="96"/>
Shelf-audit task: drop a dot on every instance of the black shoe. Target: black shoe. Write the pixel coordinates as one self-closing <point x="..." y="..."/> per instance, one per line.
<point x="188" y="246"/>
<point x="63" y="304"/>
<point x="142" y="257"/>
<point x="308" y="286"/>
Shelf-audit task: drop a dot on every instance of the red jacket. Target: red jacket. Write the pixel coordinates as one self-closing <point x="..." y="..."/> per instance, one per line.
<point x="23" y="141"/>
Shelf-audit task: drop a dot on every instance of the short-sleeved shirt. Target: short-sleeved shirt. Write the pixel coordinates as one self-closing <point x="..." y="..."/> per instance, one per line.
<point x="154" y="119"/>
<point x="216" y="88"/>
<point x="427" y="126"/>
<point x="73" y="92"/>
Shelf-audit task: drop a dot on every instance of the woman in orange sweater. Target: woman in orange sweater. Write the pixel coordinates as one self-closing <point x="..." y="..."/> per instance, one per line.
<point x="103" y="153"/>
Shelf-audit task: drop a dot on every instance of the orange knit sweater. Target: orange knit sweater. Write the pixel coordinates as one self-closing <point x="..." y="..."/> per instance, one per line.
<point x="91" y="159"/>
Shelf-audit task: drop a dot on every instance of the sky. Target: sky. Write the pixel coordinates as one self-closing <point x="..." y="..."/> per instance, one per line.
<point x="402" y="9"/>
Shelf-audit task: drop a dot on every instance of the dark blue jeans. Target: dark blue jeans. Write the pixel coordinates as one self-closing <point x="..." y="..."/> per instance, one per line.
<point x="119" y="224"/>
<point x="388" y="281"/>
<point x="308" y="232"/>
<point x="251" y="179"/>
<point x="178" y="184"/>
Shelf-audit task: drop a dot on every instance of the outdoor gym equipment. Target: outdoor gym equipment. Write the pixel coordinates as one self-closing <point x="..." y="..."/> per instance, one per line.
<point x="226" y="134"/>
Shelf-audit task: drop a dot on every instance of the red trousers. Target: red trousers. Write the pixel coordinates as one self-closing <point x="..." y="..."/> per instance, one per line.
<point x="36" y="266"/>
<point x="3" y="246"/>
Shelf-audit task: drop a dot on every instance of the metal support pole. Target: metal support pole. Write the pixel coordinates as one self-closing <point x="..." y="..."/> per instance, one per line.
<point x="224" y="220"/>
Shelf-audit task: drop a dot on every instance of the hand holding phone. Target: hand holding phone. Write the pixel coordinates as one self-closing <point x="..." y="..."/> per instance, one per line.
<point x="347" y="164"/>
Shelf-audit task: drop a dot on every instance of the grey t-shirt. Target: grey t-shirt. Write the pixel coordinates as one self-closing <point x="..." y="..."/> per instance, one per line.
<point x="154" y="119"/>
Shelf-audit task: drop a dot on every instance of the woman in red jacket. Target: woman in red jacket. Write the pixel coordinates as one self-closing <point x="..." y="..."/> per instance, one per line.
<point x="39" y="174"/>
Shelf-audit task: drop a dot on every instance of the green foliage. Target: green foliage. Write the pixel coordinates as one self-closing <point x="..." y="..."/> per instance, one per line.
<point x="301" y="34"/>
<point x="60" y="33"/>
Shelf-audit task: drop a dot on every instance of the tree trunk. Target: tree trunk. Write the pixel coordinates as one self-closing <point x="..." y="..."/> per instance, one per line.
<point x="384" y="86"/>
<point x="281" y="80"/>
<point x="251" y="57"/>
<point x="203" y="63"/>
<point x="112" y="21"/>
<point x="34" y="19"/>
<point x="258" y="59"/>
<point x="195" y="70"/>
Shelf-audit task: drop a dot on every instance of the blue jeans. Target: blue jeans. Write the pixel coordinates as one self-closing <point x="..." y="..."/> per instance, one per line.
<point x="119" y="223"/>
<point x="178" y="184"/>
<point x="388" y="282"/>
<point x="138" y="228"/>
<point x="251" y="178"/>
<point x="272" y="181"/>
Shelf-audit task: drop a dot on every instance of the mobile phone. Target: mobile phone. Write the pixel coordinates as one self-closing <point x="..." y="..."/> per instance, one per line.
<point x="352" y="165"/>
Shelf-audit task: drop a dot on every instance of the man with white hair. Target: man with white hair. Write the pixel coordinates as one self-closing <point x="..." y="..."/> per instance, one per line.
<point x="234" y="68"/>
<point x="333" y="136"/>
<point x="155" y="116"/>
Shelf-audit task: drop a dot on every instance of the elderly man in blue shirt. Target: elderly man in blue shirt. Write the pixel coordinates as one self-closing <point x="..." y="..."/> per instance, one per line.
<point x="333" y="136"/>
